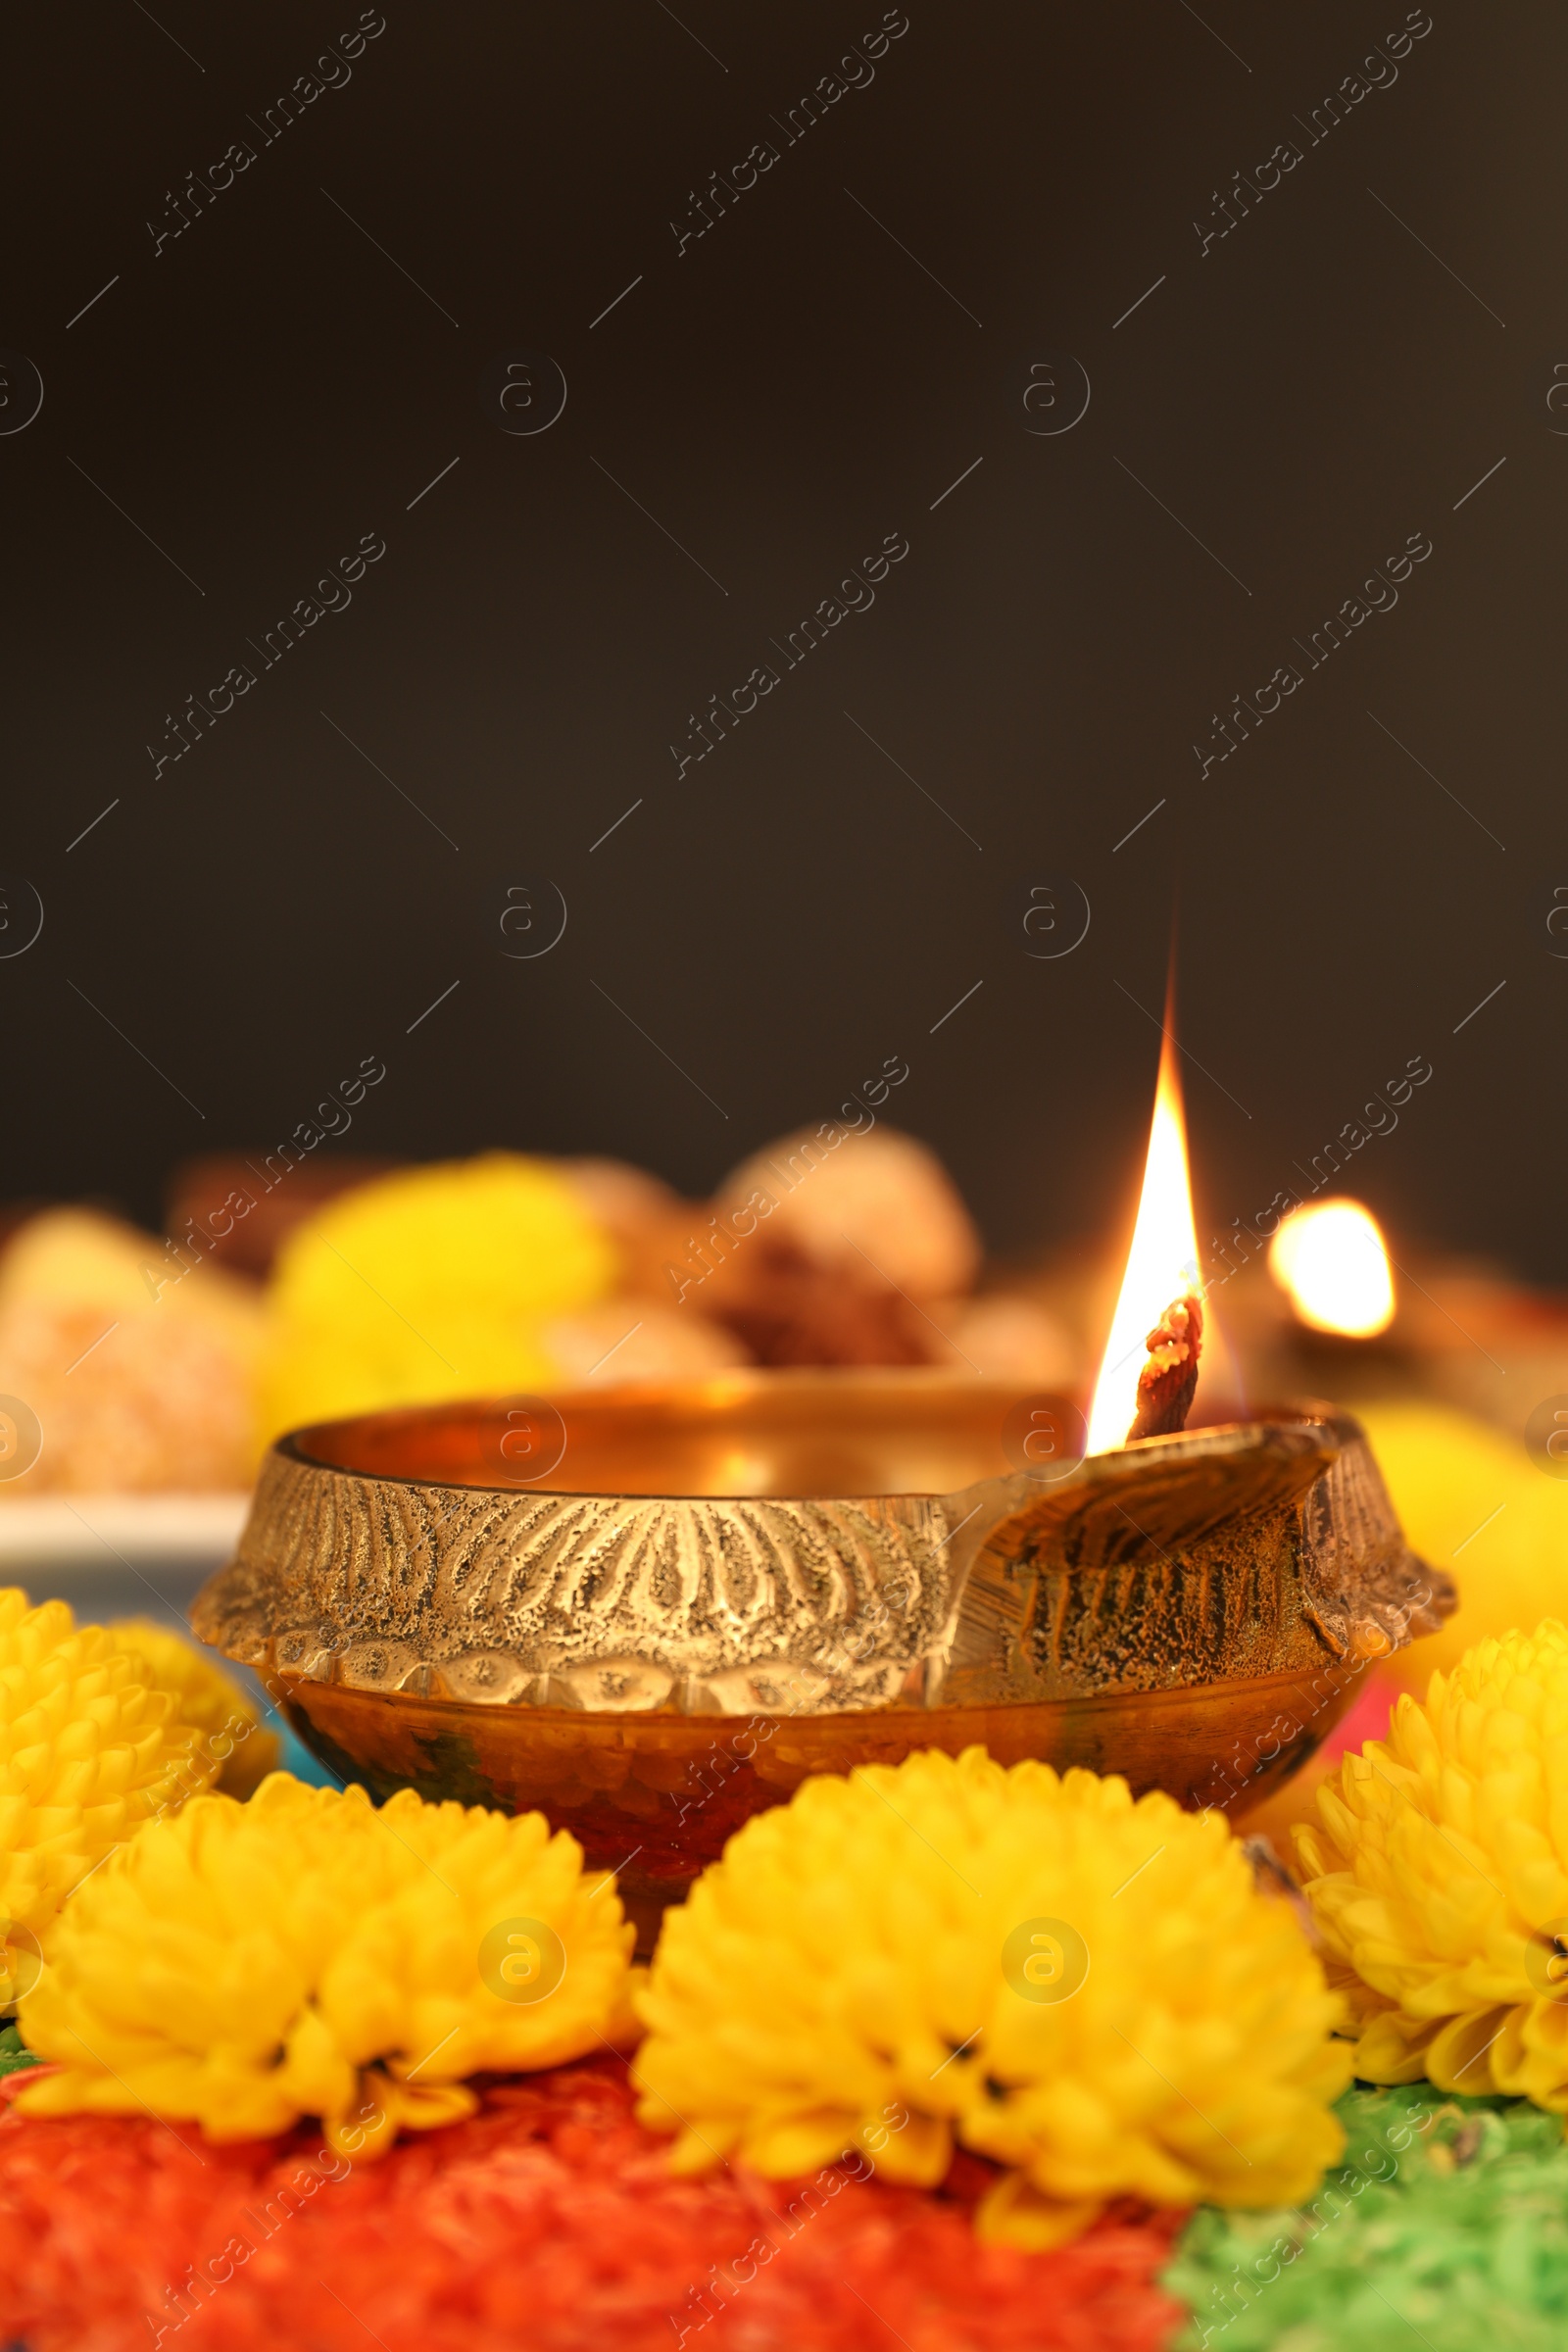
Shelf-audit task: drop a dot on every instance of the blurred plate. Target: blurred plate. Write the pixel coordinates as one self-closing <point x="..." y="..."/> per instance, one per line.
<point x="136" y="1555"/>
<point x="112" y="1555"/>
<point x="89" y="1531"/>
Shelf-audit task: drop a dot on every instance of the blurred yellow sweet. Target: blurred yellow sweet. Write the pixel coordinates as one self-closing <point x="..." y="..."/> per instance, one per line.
<point x="138" y="1359"/>
<point x="1471" y="1502"/>
<point x="430" y="1283"/>
<point x="206" y="1702"/>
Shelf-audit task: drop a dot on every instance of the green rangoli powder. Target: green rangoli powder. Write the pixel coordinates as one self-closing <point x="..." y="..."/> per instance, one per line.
<point x="1447" y="2226"/>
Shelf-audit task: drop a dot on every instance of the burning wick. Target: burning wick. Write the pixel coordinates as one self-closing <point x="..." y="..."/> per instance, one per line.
<point x="1161" y="1264"/>
<point x="1166" y="1383"/>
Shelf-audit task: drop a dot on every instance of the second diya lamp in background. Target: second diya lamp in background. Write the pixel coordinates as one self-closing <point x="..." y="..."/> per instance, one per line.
<point x="652" y="1611"/>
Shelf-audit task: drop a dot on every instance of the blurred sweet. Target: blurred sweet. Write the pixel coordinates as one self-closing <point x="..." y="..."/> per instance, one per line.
<point x="854" y="1203"/>
<point x="785" y="1308"/>
<point x="90" y="1746"/>
<point x="630" y="1337"/>
<point x="240" y="1966"/>
<point x="138" y="1359"/>
<point x="1510" y="1355"/>
<point x="1005" y="1337"/>
<point x="948" y="1952"/>
<point x="826" y="1247"/>
<point x="430" y="1283"/>
<point x="643" y="1216"/>
<point x="1438" y="1873"/>
<point x="282" y="1191"/>
<point x="205" y="1700"/>
<point x="1471" y="1500"/>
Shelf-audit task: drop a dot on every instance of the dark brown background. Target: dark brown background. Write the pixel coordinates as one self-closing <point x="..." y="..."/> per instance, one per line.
<point x="779" y="397"/>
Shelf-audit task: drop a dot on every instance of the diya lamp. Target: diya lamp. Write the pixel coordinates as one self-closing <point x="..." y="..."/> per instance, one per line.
<point x="1317" y="1308"/>
<point x="651" y="1611"/>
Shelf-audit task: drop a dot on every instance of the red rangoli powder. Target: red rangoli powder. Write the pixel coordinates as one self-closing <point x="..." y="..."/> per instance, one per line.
<point x="549" y="2220"/>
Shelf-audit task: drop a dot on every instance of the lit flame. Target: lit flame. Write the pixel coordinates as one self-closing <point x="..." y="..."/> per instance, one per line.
<point x="1161" y="1265"/>
<point x="1330" y="1258"/>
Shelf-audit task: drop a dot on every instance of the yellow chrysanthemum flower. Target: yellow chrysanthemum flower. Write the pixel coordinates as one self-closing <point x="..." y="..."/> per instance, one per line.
<point x="205" y="1700"/>
<point x="430" y="1283"/>
<point x="240" y="1966"/>
<point x="88" y="1749"/>
<point x="1438" y="1873"/>
<point x="1471" y="1500"/>
<point x="1089" y="1990"/>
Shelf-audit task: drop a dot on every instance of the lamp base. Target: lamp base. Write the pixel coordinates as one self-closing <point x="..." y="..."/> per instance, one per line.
<point x="655" y="1796"/>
